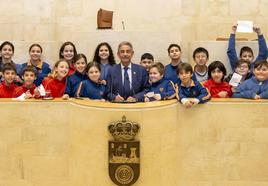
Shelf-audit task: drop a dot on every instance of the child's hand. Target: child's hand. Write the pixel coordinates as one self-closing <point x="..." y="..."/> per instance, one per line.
<point x="28" y="94"/>
<point x="103" y="82"/>
<point x="118" y="98"/>
<point x="146" y="99"/>
<point x="223" y="94"/>
<point x="36" y="93"/>
<point x="131" y="99"/>
<point x="257" y="97"/>
<point x="257" y="29"/>
<point x="65" y="96"/>
<point x="157" y="97"/>
<point x="194" y="101"/>
<point x="234" y="28"/>
<point x="188" y="104"/>
<point x="233" y="89"/>
<point x="18" y="79"/>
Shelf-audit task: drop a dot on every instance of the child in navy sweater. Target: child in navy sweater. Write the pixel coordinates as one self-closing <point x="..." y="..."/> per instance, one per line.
<point x="74" y="80"/>
<point x="92" y="88"/>
<point x="42" y="68"/>
<point x="190" y="92"/>
<point x="7" y="52"/>
<point x="257" y="86"/>
<point x="161" y="89"/>
<point x="105" y="57"/>
<point x="174" y="52"/>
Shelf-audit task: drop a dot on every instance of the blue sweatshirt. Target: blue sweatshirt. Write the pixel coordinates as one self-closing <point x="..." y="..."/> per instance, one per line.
<point x="195" y="90"/>
<point x="42" y="71"/>
<point x="73" y="82"/>
<point x="91" y="90"/>
<point x="104" y="71"/>
<point x="163" y="87"/>
<point x="252" y="87"/>
<point x="171" y="73"/>
<point x="232" y="55"/>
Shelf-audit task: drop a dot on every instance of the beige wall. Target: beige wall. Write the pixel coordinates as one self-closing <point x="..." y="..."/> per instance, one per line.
<point x="65" y="143"/>
<point x="151" y="25"/>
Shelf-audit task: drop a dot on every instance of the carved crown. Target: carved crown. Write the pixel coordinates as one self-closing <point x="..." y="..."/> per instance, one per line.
<point x="123" y="130"/>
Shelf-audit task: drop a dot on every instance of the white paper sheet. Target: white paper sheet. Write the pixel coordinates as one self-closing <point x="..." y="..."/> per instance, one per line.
<point x="245" y="26"/>
<point x="20" y="98"/>
<point x="150" y="94"/>
<point x="41" y="90"/>
<point x="235" y="80"/>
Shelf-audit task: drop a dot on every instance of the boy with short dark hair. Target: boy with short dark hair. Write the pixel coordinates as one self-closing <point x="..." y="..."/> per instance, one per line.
<point x="190" y="92"/>
<point x="8" y="86"/>
<point x="257" y="86"/>
<point x="200" y="57"/>
<point x="147" y="60"/>
<point x="28" y="87"/>
<point x="174" y="52"/>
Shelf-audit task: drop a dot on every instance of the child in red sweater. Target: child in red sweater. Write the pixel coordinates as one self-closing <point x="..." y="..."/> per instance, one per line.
<point x="28" y="87"/>
<point x="8" y="86"/>
<point x="216" y="85"/>
<point x="55" y="83"/>
<point x="68" y="52"/>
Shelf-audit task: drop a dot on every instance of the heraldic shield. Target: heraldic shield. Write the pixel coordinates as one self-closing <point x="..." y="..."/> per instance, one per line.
<point x="124" y="152"/>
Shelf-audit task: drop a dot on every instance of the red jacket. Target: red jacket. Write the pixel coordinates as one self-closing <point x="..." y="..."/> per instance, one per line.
<point x="7" y="91"/>
<point x="22" y="89"/>
<point x="55" y="86"/>
<point x="215" y="88"/>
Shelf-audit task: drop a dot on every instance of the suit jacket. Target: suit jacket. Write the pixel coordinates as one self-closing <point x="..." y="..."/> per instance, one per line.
<point x="139" y="82"/>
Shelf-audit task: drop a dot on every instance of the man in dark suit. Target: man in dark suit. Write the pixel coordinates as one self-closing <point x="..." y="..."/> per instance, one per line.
<point x="127" y="82"/>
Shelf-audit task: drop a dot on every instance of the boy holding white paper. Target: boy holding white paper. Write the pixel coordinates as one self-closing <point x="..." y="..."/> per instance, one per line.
<point x="246" y="52"/>
<point x="161" y="89"/>
<point x="242" y="73"/>
<point x="28" y="89"/>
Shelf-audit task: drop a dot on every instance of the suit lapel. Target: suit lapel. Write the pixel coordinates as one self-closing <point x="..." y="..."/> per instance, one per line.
<point x="119" y="82"/>
<point x="134" y="75"/>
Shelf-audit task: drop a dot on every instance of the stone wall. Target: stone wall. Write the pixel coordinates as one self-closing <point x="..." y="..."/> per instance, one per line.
<point x="151" y="25"/>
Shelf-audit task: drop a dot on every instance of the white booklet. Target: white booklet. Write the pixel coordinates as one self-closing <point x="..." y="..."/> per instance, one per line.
<point x="244" y="26"/>
<point x="150" y="94"/>
<point x="20" y="98"/>
<point x="42" y="90"/>
<point x="235" y="80"/>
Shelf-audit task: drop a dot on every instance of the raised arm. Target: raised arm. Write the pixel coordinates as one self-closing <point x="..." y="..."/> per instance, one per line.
<point x="231" y="51"/>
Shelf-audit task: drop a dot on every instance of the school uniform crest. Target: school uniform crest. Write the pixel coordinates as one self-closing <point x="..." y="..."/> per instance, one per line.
<point x="161" y="89"/>
<point x="124" y="152"/>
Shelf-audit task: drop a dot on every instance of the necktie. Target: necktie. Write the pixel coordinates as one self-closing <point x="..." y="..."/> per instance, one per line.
<point x="126" y="83"/>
